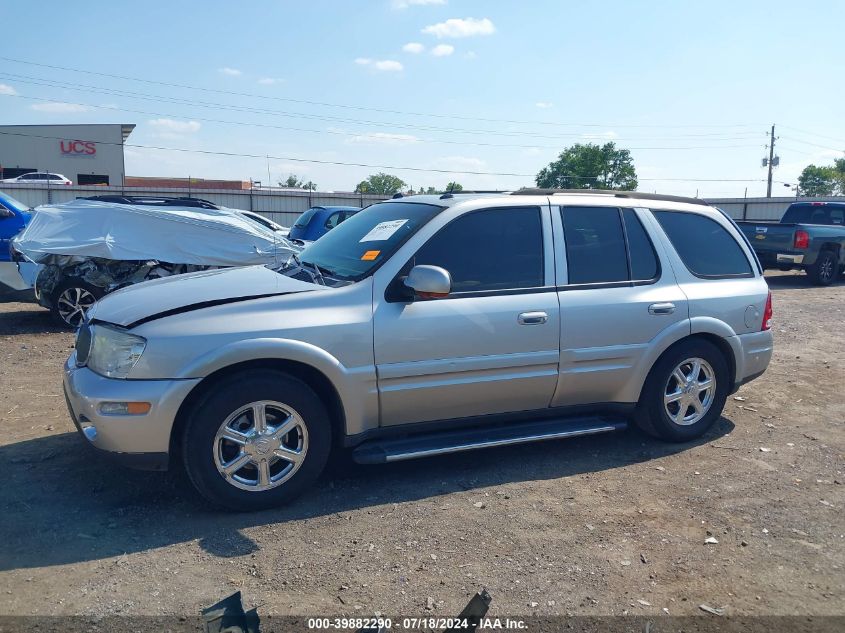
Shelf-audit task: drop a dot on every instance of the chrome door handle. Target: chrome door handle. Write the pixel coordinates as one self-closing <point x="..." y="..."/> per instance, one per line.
<point x="661" y="308"/>
<point x="532" y="318"/>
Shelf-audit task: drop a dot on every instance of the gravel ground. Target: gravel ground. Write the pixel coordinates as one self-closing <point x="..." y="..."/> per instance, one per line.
<point x="592" y="526"/>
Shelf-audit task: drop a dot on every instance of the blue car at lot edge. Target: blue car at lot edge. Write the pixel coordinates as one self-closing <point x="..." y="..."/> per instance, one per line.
<point x="14" y="216"/>
<point x="319" y="220"/>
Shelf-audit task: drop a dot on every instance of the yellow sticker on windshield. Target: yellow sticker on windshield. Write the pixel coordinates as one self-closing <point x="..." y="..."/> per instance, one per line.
<point x="370" y="255"/>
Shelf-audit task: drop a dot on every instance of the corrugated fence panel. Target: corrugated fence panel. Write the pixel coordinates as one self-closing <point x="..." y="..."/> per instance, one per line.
<point x="280" y="206"/>
<point x="285" y="206"/>
<point x="770" y="209"/>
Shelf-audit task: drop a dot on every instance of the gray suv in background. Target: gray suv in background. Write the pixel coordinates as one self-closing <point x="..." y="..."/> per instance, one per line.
<point x="428" y="325"/>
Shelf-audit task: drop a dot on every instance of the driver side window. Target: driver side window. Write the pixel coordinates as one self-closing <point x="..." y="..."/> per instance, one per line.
<point x="490" y="249"/>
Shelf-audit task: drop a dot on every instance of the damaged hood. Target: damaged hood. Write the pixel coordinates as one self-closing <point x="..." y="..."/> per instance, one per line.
<point x="125" y="232"/>
<point x="183" y="293"/>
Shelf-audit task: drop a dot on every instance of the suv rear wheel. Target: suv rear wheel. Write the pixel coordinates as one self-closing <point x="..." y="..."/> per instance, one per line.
<point x="256" y="441"/>
<point x="685" y="392"/>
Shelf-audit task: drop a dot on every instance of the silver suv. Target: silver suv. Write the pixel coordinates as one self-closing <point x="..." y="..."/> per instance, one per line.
<point x="428" y="325"/>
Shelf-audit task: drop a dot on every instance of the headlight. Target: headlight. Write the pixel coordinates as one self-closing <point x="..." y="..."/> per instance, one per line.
<point x="114" y="352"/>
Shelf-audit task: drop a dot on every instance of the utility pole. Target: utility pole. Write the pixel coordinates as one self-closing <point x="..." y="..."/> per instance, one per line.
<point x="771" y="161"/>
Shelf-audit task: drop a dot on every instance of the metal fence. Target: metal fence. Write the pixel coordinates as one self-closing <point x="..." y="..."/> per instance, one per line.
<point x="284" y="206"/>
<point x="770" y="209"/>
<point x="280" y="206"/>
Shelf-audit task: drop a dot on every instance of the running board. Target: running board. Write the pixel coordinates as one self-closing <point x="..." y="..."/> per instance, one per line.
<point x="426" y="445"/>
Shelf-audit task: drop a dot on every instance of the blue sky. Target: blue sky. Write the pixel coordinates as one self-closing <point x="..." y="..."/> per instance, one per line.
<point x="451" y="85"/>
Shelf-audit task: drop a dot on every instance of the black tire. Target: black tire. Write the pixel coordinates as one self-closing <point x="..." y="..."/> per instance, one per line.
<point x="651" y="415"/>
<point x="199" y="443"/>
<point x="823" y="271"/>
<point x="71" y="290"/>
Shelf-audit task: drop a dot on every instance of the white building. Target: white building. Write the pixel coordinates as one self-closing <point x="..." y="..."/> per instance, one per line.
<point x="88" y="154"/>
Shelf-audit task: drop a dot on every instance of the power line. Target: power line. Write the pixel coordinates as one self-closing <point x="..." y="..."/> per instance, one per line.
<point x="368" y="165"/>
<point x="373" y="137"/>
<point x="829" y="138"/>
<point x="798" y="140"/>
<point x="359" y="107"/>
<point x="252" y="110"/>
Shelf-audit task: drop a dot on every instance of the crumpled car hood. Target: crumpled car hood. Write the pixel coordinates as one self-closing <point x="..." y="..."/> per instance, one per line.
<point x="150" y="300"/>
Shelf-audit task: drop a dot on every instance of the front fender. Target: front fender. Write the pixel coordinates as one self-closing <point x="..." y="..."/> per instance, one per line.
<point x="356" y="386"/>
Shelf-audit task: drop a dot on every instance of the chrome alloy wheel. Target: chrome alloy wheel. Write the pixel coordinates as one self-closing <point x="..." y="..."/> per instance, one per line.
<point x="689" y="391"/>
<point x="826" y="272"/>
<point x="260" y="446"/>
<point x="72" y="305"/>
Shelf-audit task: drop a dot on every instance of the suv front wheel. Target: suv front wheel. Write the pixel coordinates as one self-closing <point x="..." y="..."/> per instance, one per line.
<point x="685" y="392"/>
<point x="256" y="441"/>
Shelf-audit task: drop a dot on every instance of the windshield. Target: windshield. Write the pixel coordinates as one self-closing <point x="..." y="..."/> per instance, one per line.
<point x="15" y="205"/>
<point x="353" y="249"/>
<point x="305" y="218"/>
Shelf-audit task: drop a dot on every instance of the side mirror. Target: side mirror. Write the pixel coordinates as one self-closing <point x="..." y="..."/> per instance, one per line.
<point x="429" y="282"/>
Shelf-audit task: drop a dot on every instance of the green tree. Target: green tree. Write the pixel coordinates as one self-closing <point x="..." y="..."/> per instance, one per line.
<point x="590" y="166"/>
<point x="818" y="181"/>
<point x="381" y="183"/>
<point x="454" y="186"/>
<point x="839" y="168"/>
<point x="310" y="186"/>
<point x="292" y="182"/>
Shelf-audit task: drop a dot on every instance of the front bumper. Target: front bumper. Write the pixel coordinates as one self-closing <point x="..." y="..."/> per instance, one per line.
<point x="140" y="441"/>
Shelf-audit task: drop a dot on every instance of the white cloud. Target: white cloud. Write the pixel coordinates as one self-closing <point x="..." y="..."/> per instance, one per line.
<point x="173" y="126"/>
<point x="383" y="138"/>
<point x="232" y="72"/>
<point x="269" y="81"/>
<point x="601" y="136"/>
<point x="413" y="47"/>
<point x="470" y="55"/>
<point x="442" y="50"/>
<point x="58" y="107"/>
<point x="404" y="4"/>
<point x="6" y="89"/>
<point x="388" y="65"/>
<point x="544" y="105"/>
<point x="460" y="163"/>
<point x="457" y="27"/>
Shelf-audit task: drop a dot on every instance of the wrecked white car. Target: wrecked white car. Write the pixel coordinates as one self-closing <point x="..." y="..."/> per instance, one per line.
<point x="84" y="249"/>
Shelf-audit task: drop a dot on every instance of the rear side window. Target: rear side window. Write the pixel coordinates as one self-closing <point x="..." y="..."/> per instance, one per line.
<point x="704" y="245"/>
<point x="491" y="249"/>
<point x="605" y="245"/>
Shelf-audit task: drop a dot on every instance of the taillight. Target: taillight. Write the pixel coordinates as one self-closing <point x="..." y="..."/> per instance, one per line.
<point x="802" y="239"/>
<point x="767" y="313"/>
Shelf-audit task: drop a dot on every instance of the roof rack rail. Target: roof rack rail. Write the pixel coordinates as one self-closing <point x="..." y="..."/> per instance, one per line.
<point x="451" y="194"/>
<point x="158" y="201"/>
<point x="610" y="192"/>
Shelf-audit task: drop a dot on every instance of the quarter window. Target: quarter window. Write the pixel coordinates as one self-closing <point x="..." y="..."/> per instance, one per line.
<point x="492" y="249"/>
<point x="705" y="247"/>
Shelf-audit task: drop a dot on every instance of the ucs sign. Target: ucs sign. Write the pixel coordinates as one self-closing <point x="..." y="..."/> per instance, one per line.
<point x="78" y="148"/>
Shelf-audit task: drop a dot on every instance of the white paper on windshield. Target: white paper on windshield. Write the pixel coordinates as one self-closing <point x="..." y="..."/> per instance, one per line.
<point x="383" y="231"/>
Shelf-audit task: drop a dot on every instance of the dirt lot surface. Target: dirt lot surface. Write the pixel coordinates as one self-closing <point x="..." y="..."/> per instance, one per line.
<point x="602" y="525"/>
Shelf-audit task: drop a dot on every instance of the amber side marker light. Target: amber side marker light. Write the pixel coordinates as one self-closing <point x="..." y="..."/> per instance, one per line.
<point x="125" y="408"/>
